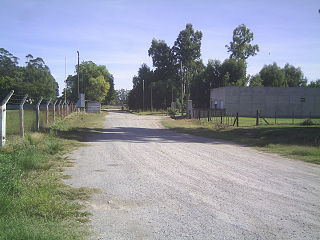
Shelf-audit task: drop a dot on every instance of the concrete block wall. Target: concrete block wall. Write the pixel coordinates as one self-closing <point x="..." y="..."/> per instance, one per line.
<point x="283" y="101"/>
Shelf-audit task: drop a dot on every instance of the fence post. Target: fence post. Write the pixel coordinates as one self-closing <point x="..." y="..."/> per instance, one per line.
<point x="21" y="114"/>
<point x="47" y="112"/>
<point x="58" y="106"/>
<point x="38" y="114"/>
<point x="275" y="118"/>
<point x="221" y="117"/>
<point x="3" y="115"/>
<point x="257" y="118"/>
<point x="59" y="109"/>
<point x="292" y="118"/>
<point x="54" y="110"/>
<point x="237" y="120"/>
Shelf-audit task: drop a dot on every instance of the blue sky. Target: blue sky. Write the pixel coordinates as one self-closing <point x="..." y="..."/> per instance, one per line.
<point x="118" y="33"/>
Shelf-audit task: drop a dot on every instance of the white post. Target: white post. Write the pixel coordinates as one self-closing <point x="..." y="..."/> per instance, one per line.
<point x="59" y="109"/>
<point x="54" y="110"/>
<point x="3" y="119"/>
<point x="21" y="112"/>
<point x="47" y="112"/>
<point x="38" y="114"/>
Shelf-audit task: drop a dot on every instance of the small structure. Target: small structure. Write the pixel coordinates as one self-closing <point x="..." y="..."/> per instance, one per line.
<point x="270" y="101"/>
<point x="93" y="107"/>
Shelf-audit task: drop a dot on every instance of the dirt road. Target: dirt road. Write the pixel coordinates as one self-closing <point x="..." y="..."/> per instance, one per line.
<point x="158" y="184"/>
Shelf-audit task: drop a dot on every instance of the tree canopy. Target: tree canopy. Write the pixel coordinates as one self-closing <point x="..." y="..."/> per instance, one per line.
<point x="34" y="79"/>
<point x="94" y="80"/>
<point x="179" y="73"/>
<point x="240" y="47"/>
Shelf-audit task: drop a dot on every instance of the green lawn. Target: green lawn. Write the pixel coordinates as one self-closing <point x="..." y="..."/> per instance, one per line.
<point x="294" y="141"/>
<point x="13" y="120"/>
<point x="34" y="203"/>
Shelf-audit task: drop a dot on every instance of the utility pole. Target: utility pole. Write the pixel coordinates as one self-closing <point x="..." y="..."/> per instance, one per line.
<point x="151" y="97"/>
<point x="78" y="77"/>
<point x="143" y="95"/>
<point x="65" y="77"/>
<point x="181" y="84"/>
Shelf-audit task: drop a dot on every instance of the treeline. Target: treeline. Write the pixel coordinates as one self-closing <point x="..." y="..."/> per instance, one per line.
<point x="179" y="73"/>
<point x="33" y="79"/>
<point x="94" y="80"/>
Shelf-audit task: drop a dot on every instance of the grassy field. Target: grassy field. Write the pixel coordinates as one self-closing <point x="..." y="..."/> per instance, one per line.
<point x="13" y="120"/>
<point x="34" y="203"/>
<point x="294" y="141"/>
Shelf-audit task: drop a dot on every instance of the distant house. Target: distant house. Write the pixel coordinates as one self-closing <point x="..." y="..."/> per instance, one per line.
<point x="270" y="101"/>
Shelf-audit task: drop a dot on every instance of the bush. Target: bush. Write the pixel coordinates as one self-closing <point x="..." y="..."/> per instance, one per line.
<point x="172" y="112"/>
<point x="307" y="122"/>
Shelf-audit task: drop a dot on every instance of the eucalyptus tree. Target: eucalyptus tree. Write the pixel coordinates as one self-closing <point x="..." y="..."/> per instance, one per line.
<point x="241" y="47"/>
<point x="187" y="51"/>
<point x="165" y="70"/>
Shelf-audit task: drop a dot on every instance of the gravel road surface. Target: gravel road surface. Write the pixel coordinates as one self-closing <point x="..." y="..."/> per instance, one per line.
<point x="158" y="184"/>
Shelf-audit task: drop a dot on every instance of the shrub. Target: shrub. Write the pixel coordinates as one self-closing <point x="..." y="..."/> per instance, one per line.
<point x="172" y="112"/>
<point x="307" y="122"/>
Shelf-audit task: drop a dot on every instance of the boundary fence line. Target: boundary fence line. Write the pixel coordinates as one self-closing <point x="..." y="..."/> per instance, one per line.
<point x="62" y="109"/>
<point x="220" y="116"/>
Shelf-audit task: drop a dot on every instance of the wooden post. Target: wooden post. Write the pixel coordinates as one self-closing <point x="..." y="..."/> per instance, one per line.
<point x="21" y="113"/>
<point x="54" y="109"/>
<point x="208" y="116"/>
<point x="237" y="120"/>
<point x="38" y="114"/>
<point x="3" y="118"/>
<point x="257" y="118"/>
<point x="47" y="112"/>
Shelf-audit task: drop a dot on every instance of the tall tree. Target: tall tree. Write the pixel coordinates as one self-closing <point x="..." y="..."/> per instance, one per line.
<point x="8" y="63"/>
<point x="233" y="72"/>
<point x="272" y="76"/>
<point x="165" y="72"/>
<point x="94" y="82"/>
<point x="294" y="76"/>
<point x="240" y="47"/>
<point x="187" y="51"/>
<point x="139" y="96"/>
<point x="111" y="93"/>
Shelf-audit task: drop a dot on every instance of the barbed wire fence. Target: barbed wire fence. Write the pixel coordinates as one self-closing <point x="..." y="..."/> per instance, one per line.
<point x="20" y="114"/>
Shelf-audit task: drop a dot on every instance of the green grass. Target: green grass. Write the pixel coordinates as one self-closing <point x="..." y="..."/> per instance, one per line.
<point x="34" y="202"/>
<point x="79" y="125"/>
<point x="158" y="112"/>
<point x="13" y="120"/>
<point x="294" y="141"/>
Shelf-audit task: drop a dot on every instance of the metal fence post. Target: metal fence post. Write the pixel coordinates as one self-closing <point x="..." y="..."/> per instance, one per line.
<point x="257" y="118"/>
<point x="3" y="119"/>
<point x="59" y="108"/>
<point x="38" y="114"/>
<point x="47" y="112"/>
<point x="21" y="113"/>
<point x="54" y="110"/>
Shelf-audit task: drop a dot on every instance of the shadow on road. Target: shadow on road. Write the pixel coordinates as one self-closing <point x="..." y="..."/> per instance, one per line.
<point x="138" y="135"/>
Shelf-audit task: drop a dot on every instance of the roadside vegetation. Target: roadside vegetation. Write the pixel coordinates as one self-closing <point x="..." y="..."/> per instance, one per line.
<point x="34" y="202"/>
<point x="294" y="141"/>
<point x="159" y="112"/>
